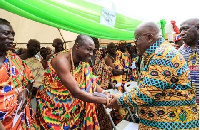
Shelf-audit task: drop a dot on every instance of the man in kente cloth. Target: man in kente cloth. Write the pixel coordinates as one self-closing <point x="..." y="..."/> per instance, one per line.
<point x="15" y="84"/>
<point x="65" y="100"/>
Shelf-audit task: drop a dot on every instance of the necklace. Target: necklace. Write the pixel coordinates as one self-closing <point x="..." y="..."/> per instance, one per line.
<point x="73" y="67"/>
<point x="76" y="71"/>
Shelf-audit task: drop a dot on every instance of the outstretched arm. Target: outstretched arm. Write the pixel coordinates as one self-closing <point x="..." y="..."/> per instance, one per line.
<point x="62" y="66"/>
<point x="156" y="83"/>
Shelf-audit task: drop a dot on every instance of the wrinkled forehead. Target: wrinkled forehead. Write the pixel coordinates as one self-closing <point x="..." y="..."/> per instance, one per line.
<point x="87" y="44"/>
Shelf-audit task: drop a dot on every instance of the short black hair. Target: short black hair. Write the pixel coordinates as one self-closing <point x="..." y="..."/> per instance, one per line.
<point x="33" y="41"/>
<point x="96" y="41"/>
<point x="4" y="21"/>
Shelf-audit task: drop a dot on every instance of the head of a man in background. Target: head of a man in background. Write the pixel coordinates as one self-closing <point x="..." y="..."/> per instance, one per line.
<point x="48" y="50"/>
<point x="190" y="31"/>
<point x="58" y="45"/>
<point x="111" y="49"/>
<point x="33" y="47"/>
<point x="43" y="52"/>
<point x="122" y="46"/>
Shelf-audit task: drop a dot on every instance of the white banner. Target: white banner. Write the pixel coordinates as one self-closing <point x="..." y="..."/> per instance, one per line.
<point x="108" y="17"/>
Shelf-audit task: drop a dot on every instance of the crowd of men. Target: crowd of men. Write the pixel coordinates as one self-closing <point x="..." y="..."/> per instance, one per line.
<point x="64" y="82"/>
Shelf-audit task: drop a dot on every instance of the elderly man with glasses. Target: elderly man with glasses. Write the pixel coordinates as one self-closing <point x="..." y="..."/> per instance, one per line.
<point x="165" y="97"/>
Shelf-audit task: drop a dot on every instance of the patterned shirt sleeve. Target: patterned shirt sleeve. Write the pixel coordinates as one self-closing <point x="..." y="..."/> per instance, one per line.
<point x="164" y="73"/>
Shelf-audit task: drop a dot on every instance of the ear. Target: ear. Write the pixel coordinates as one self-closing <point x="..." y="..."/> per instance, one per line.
<point x="150" y="38"/>
<point x="197" y="27"/>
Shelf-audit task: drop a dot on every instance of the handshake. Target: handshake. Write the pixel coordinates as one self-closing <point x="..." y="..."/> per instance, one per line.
<point x="111" y="99"/>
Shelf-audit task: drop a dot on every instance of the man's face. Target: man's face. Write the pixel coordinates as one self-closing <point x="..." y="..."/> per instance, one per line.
<point x="112" y="49"/>
<point x="43" y="52"/>
<point x="189" y="33"/>
<point x="133" y="50"/>
<point x="141" y="43"/>
<point x="85" y="52"/>
<point x="122" y="47"/>
<point x="59" y="46"/>
<point x="6" y="37"/>
<point x="34" y="48"/>
<point x="48" y="50"/>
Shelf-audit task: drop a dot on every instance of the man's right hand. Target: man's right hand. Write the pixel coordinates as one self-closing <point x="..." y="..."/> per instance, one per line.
<point x="113" y="102"/>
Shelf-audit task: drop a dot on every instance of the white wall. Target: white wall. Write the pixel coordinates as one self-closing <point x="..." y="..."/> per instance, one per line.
<point x="26" y="29"/>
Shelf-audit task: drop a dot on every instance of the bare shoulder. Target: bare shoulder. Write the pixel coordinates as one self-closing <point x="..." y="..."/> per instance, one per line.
<point x="61" y="60"/>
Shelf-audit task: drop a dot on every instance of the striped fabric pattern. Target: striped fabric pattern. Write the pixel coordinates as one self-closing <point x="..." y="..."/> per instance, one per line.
<point x="186" y="51"/>
<point x="165" y="97"/>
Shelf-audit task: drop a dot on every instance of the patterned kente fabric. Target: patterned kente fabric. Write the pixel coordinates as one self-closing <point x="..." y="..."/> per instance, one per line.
<point x="118" y="65"/>
<point x="104" y="73"/>
<point x="58" y="109"/>
<point x="116" y="115"/>
<point x="126" y="64"/>
<point x="134" y="71"/>
<point x="101" y="70"/>
<point x="165" y="96"/>
<point x="192" y="58"/>
<point x="15" y="75"/>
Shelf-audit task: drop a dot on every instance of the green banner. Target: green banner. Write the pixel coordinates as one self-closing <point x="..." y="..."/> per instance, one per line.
<point x="77" y="16"/>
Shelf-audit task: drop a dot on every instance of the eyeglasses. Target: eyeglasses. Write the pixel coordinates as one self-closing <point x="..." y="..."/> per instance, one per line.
<point x="136" y="40"/>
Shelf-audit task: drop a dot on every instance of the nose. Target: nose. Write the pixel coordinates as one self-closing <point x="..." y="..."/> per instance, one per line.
<point x="182" y="32"/>
<point x="11" y="37"/>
